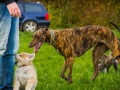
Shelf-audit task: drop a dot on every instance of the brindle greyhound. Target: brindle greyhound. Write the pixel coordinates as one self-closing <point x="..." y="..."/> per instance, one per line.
<point x="75" y="42"/>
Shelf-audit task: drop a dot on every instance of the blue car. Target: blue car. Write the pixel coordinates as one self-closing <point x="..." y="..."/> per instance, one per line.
<point x="34" y="15"/>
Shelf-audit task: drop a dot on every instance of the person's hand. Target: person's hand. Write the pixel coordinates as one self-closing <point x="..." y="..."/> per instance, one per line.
<point x="14" y="9"/>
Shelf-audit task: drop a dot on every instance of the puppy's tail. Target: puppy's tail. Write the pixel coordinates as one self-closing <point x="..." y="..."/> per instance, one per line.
<point x="115" y="26"/>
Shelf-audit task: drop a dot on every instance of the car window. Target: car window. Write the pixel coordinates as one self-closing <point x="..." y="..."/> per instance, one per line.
<point x="21" y="7"/>
<point x="33" y="8"/>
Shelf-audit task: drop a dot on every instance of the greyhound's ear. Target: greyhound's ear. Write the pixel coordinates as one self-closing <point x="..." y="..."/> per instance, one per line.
<point x="45" y="30"/>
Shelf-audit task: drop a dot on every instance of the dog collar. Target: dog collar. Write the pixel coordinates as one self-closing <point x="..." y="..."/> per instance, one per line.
<point x="52" y="36"/>
<point x="23" y="66"/>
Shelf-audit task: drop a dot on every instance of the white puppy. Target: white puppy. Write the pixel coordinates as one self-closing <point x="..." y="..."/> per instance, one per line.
<point x="25" y="75"/>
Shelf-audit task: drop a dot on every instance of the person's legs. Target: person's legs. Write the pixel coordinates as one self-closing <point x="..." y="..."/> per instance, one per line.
<point x="9" y="43"/>
<point x="12" y="48"/>
<point x="5" y="22"/>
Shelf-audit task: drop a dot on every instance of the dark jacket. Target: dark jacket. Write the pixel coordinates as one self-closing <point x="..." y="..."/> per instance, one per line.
<point x="7" y="1"/>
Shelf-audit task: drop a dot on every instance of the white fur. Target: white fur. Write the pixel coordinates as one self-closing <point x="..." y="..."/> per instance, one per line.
<point x="25" y="75"/>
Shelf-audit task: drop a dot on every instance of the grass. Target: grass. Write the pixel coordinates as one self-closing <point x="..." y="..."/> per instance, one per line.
<point x="48" y="63"/>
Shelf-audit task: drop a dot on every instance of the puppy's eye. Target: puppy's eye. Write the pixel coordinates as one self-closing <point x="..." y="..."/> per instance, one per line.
<point x="20" y="55"/>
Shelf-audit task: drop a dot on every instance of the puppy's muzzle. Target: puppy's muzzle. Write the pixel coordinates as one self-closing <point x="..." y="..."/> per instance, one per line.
<point x="16" y="61"/>
<point x="30" y="45"/>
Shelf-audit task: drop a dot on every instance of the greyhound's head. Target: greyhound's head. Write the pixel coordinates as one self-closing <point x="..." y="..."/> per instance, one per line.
<point x="39" y="37"/>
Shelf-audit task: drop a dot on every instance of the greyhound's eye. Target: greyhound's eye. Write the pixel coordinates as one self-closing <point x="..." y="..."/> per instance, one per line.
<point x="35" y="36"/>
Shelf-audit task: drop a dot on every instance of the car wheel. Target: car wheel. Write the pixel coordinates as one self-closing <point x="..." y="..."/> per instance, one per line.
<point x="30" y="26"/>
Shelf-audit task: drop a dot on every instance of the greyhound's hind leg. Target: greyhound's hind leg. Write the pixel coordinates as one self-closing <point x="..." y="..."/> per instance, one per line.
<point x="98" y="51"/>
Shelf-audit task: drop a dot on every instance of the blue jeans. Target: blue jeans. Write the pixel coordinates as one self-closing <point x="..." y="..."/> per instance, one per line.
<point x="9" y="44"/>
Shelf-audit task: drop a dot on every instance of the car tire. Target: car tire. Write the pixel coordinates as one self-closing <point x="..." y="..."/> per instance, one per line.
<point x="30" y="26"/>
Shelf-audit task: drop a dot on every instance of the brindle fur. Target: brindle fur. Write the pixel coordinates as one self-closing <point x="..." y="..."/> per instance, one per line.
<point x="75" y="42"/>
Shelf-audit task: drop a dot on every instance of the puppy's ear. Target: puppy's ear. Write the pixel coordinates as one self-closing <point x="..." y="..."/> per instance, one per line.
<point x="31" y="56"/>
<point x="45" y="30"/>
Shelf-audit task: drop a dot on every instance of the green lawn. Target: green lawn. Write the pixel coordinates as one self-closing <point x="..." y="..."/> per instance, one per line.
<point x="48" y="64"/>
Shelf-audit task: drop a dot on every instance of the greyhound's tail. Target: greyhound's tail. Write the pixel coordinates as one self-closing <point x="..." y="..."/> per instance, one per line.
<point x="115" y="26"/>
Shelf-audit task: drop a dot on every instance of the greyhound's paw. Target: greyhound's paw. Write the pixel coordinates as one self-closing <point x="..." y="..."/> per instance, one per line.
<point x="69" y="82"/>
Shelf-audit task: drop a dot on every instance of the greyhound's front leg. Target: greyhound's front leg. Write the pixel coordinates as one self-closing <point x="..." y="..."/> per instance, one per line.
<point x="65" y="65"/>
<point x="70" y="66"/>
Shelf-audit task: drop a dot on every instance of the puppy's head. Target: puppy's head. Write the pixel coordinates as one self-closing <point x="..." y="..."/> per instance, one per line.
<point x="39" y="37"/>
<point x="24" y="59"/>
